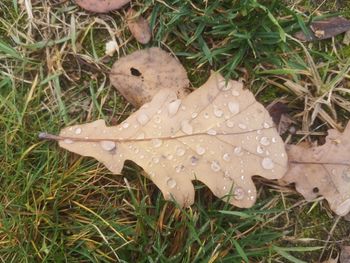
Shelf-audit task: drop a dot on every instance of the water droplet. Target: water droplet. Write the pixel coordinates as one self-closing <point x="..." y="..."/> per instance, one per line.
<point x="200" y="150"/>
<point x="224" y="85"/>
<point x="194" y="115"/>
<point x="186" y="127"/>
<point x="157" y="119"/>
<point x="229" y="123"/>
<point x="266" y="125"/>
<point x="218" y="113"/>
<point x="226" y="157"/>
<point x="157" y="142"/>
<point x="171" y="183"/>
<point x="235" y="93"/>
<point x="180" y="151"/>
<point x="238" y="151"/>
<point x="233" y="107"/>
<point x="206" y="115"/>
<point x="265" y="141"/>
<point x="194" y="160"/>
<point x="142" y="118"/>
<point x="125" y="125"/>
<point x="68" y="141"/>
<point x="155" y="160"/>
<point x="273" y="140"/>
<point x="260" y="149"/>
<point x="211" y="132"/>
<point x="78" y="131"/>
<point x="108" y="145"/>
<point x="173" y="107"/>
<point x="179" y="168"/>
<point x="215" y="166"/>
<point x="242" y="126"/>
<point x="259" y="131"/>
<point x="267" y="163"/>
<point x="238" y="193"/>
<point x="170" y="157"/>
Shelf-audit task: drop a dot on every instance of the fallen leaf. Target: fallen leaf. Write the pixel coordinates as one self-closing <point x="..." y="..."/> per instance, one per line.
<point x="219" y="135"/>
<point x="325" y="29"/>
<point x="323" y="170"/>
<point x="98" y="6"/>
<point x="138" y="27"/>
<point x="140" y="75"/>
<point x="280" y="116"/>
<point x="331" y="260"/>
<point x="345" y="254"/>
<point x="346" y="39"/>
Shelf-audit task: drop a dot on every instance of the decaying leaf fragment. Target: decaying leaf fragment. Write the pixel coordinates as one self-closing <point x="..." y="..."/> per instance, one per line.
<point x="140" y="75"/>
<point x="101" y="6"/>
<point x="323" y="170"/>
<point x="138" y="27"/>
<point x="219" y="134"/>
<point x="324" y="29"/>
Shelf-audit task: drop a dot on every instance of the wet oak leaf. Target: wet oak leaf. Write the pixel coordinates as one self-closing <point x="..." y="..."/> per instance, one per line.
<point x="140" y="75"/>
<point x="323" y="170"/>
<point x="101" y="6"/>
<point x="219" y="135"/>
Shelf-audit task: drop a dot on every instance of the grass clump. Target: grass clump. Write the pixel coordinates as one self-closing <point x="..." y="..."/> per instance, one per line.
<point x="55" y="206"/>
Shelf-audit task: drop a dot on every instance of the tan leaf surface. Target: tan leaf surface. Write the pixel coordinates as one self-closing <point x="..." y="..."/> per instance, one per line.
<point x="323" y="170"/>
<point x="219" y="134"/>
<point x="99" y="6"/>
<point x="138" y="27"/>
<point x="140" y="75"/>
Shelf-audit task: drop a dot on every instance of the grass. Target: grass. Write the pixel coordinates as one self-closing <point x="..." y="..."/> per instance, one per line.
<point x="59" y="207"/>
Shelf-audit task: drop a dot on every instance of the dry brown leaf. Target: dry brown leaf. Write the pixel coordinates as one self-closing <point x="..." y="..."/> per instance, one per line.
<point x="323" y="170"/>
<point x="325" y="29"/>
<point x="99" y="6"/>
<point x="280" y="116"/>
<point x="140" y="75"/>
<point x="219" y="134"/>
<point x="138" y="27"/>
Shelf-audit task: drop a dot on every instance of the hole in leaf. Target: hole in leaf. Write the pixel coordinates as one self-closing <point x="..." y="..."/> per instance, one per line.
<point x="135" y="72"/>
<point x="315" y="190"/>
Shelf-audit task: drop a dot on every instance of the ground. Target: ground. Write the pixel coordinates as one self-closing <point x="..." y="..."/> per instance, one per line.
<point x="56" y="206"/>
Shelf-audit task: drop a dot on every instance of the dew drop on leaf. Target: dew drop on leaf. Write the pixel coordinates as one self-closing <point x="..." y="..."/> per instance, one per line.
<point x="78" y="131"/>
<point x="173" y="107"/>
<point x="267" y="163"/>
<point x="238" y="193"/>
<point x="108" y="145"/>
<point x="265" y="141"/>
<point x="180" y="151"/>
<point x="215" y="166"/>
<point x="142" y="118"/>
<point x="211" y="132"/>
<point x="233" y="107"/>
<point x="68" y="141"/>
<point x="171" y="183"/>
<point x="226" y="157"/>
<point x="200" y="150"/>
